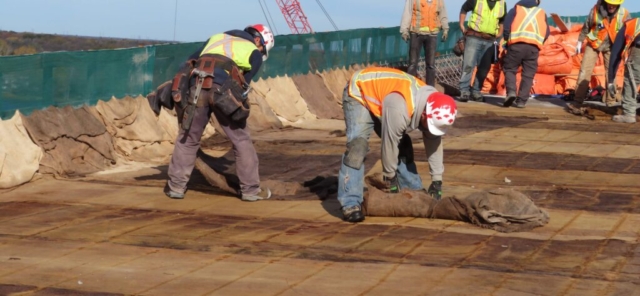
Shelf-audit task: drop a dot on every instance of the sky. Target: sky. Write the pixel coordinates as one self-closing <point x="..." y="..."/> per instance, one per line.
<point x="197" y="20"/>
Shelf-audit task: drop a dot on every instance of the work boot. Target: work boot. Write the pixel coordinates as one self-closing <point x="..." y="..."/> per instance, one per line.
<point x="352" y="214"/>
<point x="509" y="101"/>
<point x="464" y="97"/>
<point x="520" y="103"/>
<point x="624" y="118"/>
<point x="172" y="194"/>
<point x="478" y="97"/>
<point x="261" y="195"/>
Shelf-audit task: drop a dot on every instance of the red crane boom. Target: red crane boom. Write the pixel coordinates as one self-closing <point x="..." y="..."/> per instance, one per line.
<point x="294" y="16"/>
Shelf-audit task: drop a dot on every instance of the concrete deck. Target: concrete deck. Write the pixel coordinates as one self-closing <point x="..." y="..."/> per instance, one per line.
<point x="114" y="234"/>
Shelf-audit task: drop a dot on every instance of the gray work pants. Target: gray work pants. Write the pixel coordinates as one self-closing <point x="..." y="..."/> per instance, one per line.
<point x="631" y="82"/>
<point x="188" y="142"/>
<point x="525" y="55"/>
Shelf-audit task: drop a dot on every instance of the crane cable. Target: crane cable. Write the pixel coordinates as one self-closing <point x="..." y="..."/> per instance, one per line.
<point x="267" y="18"/>
<point x="327" y="14"/>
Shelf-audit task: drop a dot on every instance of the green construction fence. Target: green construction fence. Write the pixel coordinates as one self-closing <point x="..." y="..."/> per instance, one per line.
<point x="60" y="79"/>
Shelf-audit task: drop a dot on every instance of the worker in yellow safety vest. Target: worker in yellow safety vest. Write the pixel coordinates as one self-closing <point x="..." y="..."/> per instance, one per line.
<point x="216" y="82"/>
<point x="525" y="31"/>
<point x="600" y="29"/>
<point x="484" y="29"/>
<point x="392" y="103"/>
<point x="421" y="22"/>
<point x="626" y="49"/>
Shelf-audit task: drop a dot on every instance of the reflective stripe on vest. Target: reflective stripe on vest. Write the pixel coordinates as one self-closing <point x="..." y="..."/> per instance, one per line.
<point x="632" y="31"/>
<point x="371" y="85"/>
<point x="425" y="15"/>
<point x="529" y="26"/>
<point x="237" y="49"/>
<point x="484" y="19"/>
<point x="597" y="35"/>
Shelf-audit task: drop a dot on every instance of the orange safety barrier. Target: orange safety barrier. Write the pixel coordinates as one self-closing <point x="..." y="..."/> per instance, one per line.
<point x="555" y="58"/>
<point x="558" y="67"/>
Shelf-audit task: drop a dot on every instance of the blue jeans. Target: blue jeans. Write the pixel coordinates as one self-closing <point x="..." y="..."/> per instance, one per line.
<point x="360" y="123"/>
<point x="474" y="49"/>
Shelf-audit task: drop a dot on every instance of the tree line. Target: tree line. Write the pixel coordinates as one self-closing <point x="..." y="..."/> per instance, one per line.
<point x="22" y="43"/>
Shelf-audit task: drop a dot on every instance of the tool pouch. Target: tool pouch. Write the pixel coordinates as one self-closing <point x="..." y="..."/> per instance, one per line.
<point x="180" y="86"/>
<point x="229" y="100"/>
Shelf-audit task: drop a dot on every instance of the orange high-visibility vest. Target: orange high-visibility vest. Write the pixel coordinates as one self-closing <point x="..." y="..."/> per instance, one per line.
<point x="597" y="35"/>
<point x="529" y="26"/>
<point x="425" y="15"/>
<point x="371" y="85"/>
<point x="631" y="32"/>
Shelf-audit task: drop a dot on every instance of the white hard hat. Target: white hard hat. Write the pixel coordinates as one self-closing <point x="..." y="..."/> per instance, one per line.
<point x="440" y="113"/>
<point x="266" y="35"/>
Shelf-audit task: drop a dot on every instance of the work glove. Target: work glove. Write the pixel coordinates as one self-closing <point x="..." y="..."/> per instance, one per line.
<point x="611" y="88"/>
<point x="405" y="36"/>
<point x="445" y="35"/>
<point x="435" y="190"/>
<point x="579" y="47"/>
<point x="392" y="184"/>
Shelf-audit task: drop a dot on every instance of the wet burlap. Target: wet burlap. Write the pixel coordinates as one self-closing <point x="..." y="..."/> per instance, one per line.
<point x="319" y="98"/>
<point x="135" y="129"/>
<point x="300" y="177"/>
<point x="592" y="111"/>
<point x="503" y="210"/>
<point x="19" y="156"/>
<point x="75" y="141"/>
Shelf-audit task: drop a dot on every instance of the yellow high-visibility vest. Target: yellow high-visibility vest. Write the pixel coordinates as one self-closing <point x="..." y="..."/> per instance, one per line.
<point x="237" y="49"/>
<point x="484" y="19"/>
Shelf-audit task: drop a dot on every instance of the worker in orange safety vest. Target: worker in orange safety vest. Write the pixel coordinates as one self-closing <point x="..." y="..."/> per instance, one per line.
<point x="421" y="22"/>
<point x="600" y="29"/>
<point x="392" y="103"/>
<point x="525" y="31"/>
<point x="626" y="49"/>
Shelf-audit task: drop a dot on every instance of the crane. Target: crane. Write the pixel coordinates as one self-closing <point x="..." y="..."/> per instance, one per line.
<point x="295" y="17"/>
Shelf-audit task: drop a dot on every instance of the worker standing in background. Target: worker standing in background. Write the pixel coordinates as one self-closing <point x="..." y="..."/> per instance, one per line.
<point x="600" y="29"/>
<point x="484" y="27"/>
<point x="626" y="49"/>
<point x="391" y="103"/>
<point x="525" y="31"/>
<point x="218" y="84"/>
<point x="421" y="22"/>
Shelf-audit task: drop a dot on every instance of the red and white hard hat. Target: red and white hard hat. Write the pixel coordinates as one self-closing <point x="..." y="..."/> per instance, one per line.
<point x="440" y="113"/>
<point x="267" y="38"/>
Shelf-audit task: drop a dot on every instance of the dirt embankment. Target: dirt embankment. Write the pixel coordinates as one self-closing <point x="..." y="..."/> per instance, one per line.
<point x="69" y="142"/>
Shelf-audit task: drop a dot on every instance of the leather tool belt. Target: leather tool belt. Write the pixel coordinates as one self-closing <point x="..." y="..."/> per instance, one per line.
<point x="480" y="35"/>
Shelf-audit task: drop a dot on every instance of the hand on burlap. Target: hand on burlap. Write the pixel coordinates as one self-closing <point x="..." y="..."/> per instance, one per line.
<point x="611" y="88"/>
<point x="435" y="190"/>
<point x="392" y="184"/>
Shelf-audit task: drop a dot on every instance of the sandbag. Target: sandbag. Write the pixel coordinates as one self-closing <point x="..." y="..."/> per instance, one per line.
<point x="503" y="210"/>
<point x="19" y="156"/>
<point x="544" y="84"/>
<point x="554" y="59"/>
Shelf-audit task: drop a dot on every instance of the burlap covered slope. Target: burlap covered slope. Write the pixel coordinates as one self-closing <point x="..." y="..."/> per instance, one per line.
<point x="503" y="210"/>
<point x="319" y="99"/>
<point x="262" y="116"/>
<point x="19" y="156"/>
<point x="135" y="129"/>
<point x="74" y="141"/>
<point x="284" y="98"/>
